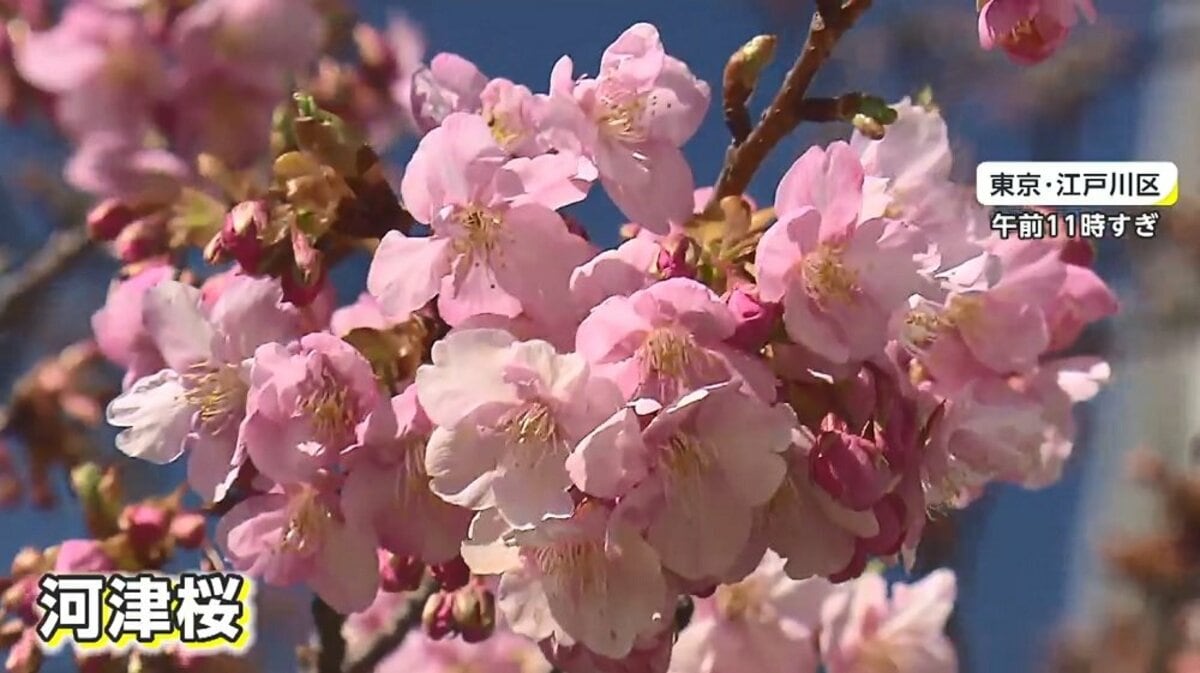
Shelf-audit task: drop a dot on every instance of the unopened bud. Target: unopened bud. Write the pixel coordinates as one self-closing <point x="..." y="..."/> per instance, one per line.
<point x="108" y="218"/>
<point x="27" y="561"/>
<point x="437" y="618"/>
<point x="299" y="290"/>
<point x="240" y="235"/>
<point x="188" y="529"/>
<point x="146" y="525"/>
<point x="755" y="318"/>
<point x="474" y="611"/>
<point x="142" y="239"/>
<point x="675" y="263"/>
<point x="451" y="575"/>
<point x="401" y="573"/>
<point x="868" y="126"/>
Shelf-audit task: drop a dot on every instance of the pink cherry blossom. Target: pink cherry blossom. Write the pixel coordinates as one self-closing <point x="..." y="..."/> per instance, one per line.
<point x="297" y="534"/>
<point x="497" y="246"/>
<point x="651" y="653"/>
<point x="908" y="178"/>
<point x="800" y="513"/>
<point x="118" y="328"/>
<point x="703" y="463"/>
<point x="102" y="65"/>
<point x="507" y="414"/>
<point x="389" y="487"/>
<point x="512" y="113"/>
<point x="839" y="280"/>
<point x="588" y="579"/>
<point x="631" y="121"/>
<point x="619" y="272"/>
<point x="767" y="622"/>
<point x="983" y="330"/>
<point x="1083" y="299"/>
<point x="667" y="339"/>
<point x="865" y="631"/>
<point x="449" y="84"/>
<point x="1018" y="430"/>
<point x="364" y="312"/>
<point x="503" y="652"/>
<point x="263" y="39"/>
<point x="305" y="402"/>
<point x="199" y="399"/>
<point x="111" y="163"/>
<point x="1030" y="30"/>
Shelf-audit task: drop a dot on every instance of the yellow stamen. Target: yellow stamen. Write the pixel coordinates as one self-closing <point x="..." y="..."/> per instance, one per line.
<point x="482" y="230"/>
<point x="574" y="568"/>
<point x="668" y="352"/>
<point x="308" y="522"/>
<point x="827" y="277"/>
<point x="744" y="601"/>
<point x="504" y="132"/>
<point x="218" y="393"/>
<point x="331" y="409"/>
<point x="684" y="457"/>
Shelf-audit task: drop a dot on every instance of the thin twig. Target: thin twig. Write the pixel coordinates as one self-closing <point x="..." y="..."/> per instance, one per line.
<point x="782" y="117"/>
<point x="387" y="643"/>
<point x="331" y="643"/>
<point x="59" y="252"/>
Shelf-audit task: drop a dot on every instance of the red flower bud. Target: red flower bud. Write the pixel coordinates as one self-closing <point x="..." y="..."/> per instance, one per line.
<point x="108" y="218"/>
<point x="451" y="575"/>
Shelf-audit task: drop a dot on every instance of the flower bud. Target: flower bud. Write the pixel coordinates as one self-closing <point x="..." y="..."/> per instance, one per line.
<point x="141" y="240"/>
<point x="890" y="514"/>
<point x="451" y="575"/>
<point x="848" y="467"/>
<point x="146" y="525"/>
<point x="855" y="567"/>
<point x="302" y="291"/>
<point x="189" y="530"/>
<point x="674" y="263"/>
<point x="82" y="556"/>
<point x="27" y="562"/>
<point x="401" y="573"/>
<point x="474" y="611"/>
<point x="108" y="218"/>
<point x="240" y="235"/>
<point x="755" y="318"/>
<point x="437" y="617"/>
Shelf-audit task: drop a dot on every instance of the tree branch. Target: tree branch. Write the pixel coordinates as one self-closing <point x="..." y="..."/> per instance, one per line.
<point x="60" y="251"/>
<point x="330" y="641"/>
<point x="784" y="114"/>
<point x="387" y="643"/>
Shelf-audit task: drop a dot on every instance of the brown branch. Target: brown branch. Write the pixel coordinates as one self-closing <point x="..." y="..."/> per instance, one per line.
<point x="59" y="252"/>
<point x="842" y="108"/>
<point x="782" y="117"/>
<point x="739" y="81"/>
<point x="331" y="650"/>
<point x="387" y="643"/>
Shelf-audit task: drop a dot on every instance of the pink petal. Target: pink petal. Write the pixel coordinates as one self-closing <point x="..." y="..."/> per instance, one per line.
<point x="406" y="273"/>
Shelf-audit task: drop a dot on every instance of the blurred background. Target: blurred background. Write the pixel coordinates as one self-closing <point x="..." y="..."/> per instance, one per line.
<point x="1030" y="563"/>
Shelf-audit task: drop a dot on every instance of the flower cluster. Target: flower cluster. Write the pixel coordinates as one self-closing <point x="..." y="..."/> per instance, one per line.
<point x="143" y="88"/>
<point x="733" y="400"/>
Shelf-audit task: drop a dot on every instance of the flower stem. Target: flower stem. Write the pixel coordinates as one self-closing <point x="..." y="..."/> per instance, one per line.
<point x="785" y="112"/>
